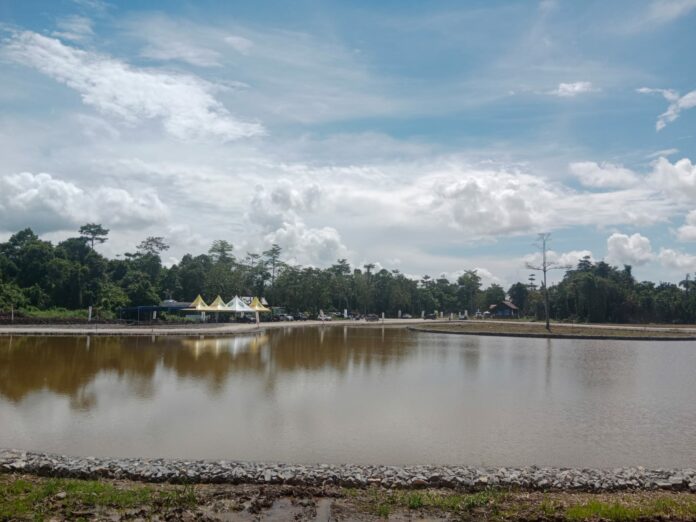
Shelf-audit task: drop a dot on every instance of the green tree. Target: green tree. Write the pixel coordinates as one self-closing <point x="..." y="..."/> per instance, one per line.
<point x="469" y="287"/>
<point x="519" y="294"/>
<point x="221" y="251"/>
<point x="153" y="245"/>
<point x="94" y="232"/>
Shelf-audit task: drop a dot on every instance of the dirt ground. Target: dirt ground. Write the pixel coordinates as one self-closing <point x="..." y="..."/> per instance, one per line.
<point x="26" y="497"/>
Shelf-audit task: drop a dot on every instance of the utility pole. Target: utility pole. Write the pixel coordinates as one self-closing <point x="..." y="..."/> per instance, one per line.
<point x="545" y="266"/>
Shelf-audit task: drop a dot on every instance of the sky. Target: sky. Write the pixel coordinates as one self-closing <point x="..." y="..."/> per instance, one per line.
<point x="428" y="137"/>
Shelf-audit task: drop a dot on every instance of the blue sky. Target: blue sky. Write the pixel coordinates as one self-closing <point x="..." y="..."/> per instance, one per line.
<point x="430" y="137"/>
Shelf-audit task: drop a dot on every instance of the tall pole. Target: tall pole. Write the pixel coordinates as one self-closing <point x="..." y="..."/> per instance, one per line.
<point x="544" y="238"/>
<point x="545" y="266"/>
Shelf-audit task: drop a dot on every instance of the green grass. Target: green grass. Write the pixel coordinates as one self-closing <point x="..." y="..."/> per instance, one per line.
<point x="21" y="499"/>
<point x="619" y="512"/>
<point x="596" y="509"/>
<point x="54" y="313"/>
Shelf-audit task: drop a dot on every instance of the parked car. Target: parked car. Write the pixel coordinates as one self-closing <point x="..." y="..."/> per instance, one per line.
<point x="406" y="316"/>
<point x="300" y="316"/>
<point x="430" y="316"/>
<point x="372" y="317"/>
<point x="289" y="317"/>
<point x="478" y="315"/>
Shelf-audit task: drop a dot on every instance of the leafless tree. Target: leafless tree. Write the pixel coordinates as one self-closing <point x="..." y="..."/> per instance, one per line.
<point x="544" y="267"/>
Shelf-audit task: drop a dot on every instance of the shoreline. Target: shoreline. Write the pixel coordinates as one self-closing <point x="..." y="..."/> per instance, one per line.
<point x="217" y="329"/>
<point x="464" y="478"/>
<point x="554" y="335"/>
<point x="485" y="328"/>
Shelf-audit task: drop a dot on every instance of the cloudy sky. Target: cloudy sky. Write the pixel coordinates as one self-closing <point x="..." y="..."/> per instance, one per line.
<point x="430" y="137"/>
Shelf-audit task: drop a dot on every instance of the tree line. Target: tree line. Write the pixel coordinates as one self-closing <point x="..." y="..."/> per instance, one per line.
<point x="72" y="274"/>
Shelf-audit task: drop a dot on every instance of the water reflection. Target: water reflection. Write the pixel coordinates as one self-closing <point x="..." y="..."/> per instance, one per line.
<point x="66" y="365"/>
<point x="342" y="394"/>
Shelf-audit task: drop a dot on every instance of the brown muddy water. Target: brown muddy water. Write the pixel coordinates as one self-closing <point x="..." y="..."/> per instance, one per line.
<point x="353" y="395"/>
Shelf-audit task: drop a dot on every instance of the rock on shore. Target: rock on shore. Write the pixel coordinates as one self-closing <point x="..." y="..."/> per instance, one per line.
<point x="456" y="477"/>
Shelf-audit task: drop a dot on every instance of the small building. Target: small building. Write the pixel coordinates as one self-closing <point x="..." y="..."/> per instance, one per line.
<point x="504" y="309"/>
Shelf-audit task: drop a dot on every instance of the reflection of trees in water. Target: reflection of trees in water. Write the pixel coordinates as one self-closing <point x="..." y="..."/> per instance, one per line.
<point x="67" y="365"/>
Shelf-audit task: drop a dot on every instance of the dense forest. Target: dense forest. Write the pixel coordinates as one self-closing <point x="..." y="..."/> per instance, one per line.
<point x="38" y="275"/>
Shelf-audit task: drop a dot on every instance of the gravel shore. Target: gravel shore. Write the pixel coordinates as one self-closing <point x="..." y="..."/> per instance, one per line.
<point x="457" y="477"/>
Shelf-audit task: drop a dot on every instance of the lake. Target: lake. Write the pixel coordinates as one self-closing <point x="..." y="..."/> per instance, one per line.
<point x="338" y="394"/>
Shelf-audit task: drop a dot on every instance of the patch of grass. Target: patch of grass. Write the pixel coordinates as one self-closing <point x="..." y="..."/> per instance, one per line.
<point x="184" y="496"/>
<point x="609" y="511"/>
<point x="622" y="512"/>
<point x="548" y="507"/>
<point x="414" y="501"/>
<point x="22" y="499"/>
<point x="383" y="510"/>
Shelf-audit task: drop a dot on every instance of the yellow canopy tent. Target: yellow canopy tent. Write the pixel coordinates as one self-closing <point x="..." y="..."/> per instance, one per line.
<point x="198" y="304"/>
<point x="256" y="305"/>
<point x="218" y="305"/>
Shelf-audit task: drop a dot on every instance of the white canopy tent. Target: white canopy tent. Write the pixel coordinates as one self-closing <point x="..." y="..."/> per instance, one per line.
<point x="237" y="305"/>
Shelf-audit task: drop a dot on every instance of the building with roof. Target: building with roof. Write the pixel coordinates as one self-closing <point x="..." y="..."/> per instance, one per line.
<point x="504" y="310"/>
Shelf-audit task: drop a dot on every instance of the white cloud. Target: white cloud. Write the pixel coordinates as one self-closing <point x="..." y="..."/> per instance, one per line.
<point x="314" y="246"/>
<point x="98" y="6"/>
<point x="279" y="212"/>
<point x="569" y="90"/>
<point x="183" y="51"/>
<point x="603" y="175"/>
<point x="623" y="249"/>
<point x="678" y="180"/>
<point x="677" y="260"/>
<point x="184" y="103"/>
<point x="659" y="13"/>
<point x="687" y="232"/>
<point x="48" y="203"/>
<point x="677" y="104"/>
<point x="75" y="27"/>
<point x="283" y="203"/>
<point x="239" y="43"/>
<point x="662" y="153"/>
<point x="560" y="259"/>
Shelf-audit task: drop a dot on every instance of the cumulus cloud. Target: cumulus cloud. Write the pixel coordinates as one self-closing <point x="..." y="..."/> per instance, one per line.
<point x="678" y="180"/>
<point x="623" y="249"/>
<point x="677" y="104"/>
<point x="279" y="212"/>
<point x="677" y="260"/>
<point x="687" y="232"/>
<point x="284" y="202"/>
<point x="48" y="204"/>
<point x="490" y="202"/>
<point x="184" y="103"/>
<point x="569" y="90"/>
<point x="316" y="246"/>
<point x="603" y="175"/>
